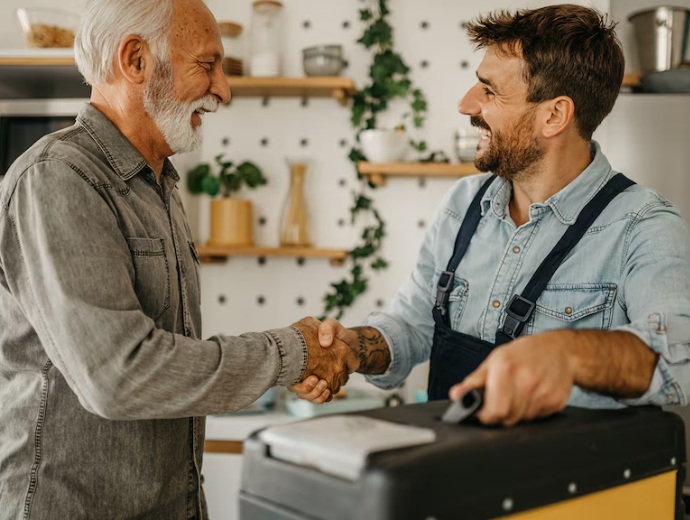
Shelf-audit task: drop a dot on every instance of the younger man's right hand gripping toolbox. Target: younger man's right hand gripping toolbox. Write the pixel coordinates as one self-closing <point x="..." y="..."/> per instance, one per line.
<point x="576" y="465"/>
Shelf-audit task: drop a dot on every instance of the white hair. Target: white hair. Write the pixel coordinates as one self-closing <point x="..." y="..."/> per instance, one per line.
<point x="106" y="22"/>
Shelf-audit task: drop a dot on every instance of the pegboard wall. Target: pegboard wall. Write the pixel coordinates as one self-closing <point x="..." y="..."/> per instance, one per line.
<point x="644" y="137"/>
<point x="254" y="294"/>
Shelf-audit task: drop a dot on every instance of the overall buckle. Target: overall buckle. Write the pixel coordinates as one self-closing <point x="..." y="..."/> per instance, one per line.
<point x="443" y="287"/>
<point x="518" y="311"/>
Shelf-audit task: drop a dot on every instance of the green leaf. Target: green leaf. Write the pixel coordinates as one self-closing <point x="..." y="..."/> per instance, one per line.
<point x="196" y="176"/>
<point x="383" y="7"/>
<point x="211" y="185"/>
<point x="365" y="15"/>
<point x="251" y="174"/>
<point x="356" y="155"/>
<point x="363" y="251"/>
<point x="379" y="264"/>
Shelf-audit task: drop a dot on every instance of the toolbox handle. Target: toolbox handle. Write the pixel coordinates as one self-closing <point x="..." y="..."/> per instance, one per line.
<point x="464" y="407"/>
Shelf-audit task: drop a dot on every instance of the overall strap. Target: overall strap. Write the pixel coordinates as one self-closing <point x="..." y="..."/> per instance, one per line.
<point x="462" y="242"/>
<point x="520" y="308"/>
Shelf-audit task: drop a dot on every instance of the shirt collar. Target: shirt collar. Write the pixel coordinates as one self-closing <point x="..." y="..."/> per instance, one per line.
<point x="568" y="202"/>
<point x="125" y="160"/>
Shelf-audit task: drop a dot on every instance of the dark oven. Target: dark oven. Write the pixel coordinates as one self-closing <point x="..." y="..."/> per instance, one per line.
<point x="25" y="121"/>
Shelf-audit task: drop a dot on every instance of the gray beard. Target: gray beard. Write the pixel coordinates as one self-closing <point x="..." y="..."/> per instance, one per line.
<point x="173" y="118"/>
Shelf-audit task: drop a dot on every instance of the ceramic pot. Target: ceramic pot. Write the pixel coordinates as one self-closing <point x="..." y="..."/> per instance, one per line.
<point x="231" y="222"/>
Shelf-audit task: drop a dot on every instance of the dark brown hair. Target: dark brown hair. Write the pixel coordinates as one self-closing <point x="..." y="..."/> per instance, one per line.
<point x="569" y="50"/>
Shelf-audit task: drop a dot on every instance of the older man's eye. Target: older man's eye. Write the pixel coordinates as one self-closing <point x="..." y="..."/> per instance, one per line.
<point x="488" y="91"/>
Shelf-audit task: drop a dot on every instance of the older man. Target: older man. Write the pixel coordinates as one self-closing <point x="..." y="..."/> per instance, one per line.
<point x="103" y="380"/>
<point x="556" y="280"/>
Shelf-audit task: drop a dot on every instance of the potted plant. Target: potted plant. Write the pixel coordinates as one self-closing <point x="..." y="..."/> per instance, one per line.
<point x="231" y="217"/>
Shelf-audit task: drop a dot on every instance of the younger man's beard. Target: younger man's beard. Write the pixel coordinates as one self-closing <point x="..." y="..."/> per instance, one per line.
<point x="511" y="152"/>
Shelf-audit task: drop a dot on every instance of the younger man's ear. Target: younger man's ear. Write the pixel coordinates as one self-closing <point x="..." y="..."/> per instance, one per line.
<point x="560" y="114"/>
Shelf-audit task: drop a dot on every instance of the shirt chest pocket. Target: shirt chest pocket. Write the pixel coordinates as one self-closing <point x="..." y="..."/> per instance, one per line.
<point x="457" y="299"/>
<point x="573" y="306"/>
<point x="152" y="277"/>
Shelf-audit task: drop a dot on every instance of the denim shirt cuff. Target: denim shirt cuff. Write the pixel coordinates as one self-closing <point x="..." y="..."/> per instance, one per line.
<point x="292" y="349"/>
<point x="391" y="378"/>
<point x="664" y="388"/>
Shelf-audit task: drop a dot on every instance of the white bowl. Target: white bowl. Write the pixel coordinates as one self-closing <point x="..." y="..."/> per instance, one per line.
<point x="384" y="146"/>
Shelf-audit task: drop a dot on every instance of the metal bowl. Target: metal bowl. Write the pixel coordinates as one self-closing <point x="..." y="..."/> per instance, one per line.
<point x="323" y="60"/>
<point x="662" y="37"/>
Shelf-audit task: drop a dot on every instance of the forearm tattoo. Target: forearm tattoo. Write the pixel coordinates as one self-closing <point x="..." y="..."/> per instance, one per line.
<point x="374" y="354"/>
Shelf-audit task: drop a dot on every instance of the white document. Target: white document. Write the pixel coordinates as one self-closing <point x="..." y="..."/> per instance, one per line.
<point x="339" y="444"/>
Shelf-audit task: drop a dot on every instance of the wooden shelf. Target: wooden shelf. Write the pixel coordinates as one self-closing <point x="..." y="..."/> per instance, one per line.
<point x="336" y="87"/>
<point x="631" y="79"/>
<point x="221" y="446"/>
<point x="219" y="253"/>
<point x="379" y="172"/>
<point x="37" y="61"/>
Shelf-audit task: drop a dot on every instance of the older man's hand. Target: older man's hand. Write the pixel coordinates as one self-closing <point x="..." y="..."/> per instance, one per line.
<point x="327" y="368"/>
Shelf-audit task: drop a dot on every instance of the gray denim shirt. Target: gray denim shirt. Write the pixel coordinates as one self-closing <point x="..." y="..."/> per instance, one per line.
<point x="104" y="381"/>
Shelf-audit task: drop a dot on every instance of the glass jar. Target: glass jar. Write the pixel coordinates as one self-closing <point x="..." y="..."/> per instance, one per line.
<point x="265" y="55"/>
<point x="233" y="57"/>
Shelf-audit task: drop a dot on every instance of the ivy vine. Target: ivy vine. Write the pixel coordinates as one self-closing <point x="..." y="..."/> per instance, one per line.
<point x="389" y="80"/>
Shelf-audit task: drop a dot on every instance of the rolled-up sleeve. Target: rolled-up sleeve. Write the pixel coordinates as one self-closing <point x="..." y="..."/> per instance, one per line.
<point x="656" y="294"/>
<point x="408" y="326"/>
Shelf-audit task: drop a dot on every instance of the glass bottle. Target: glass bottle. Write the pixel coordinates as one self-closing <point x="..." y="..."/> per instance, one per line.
<point x="295" y="226"/>
<point x="265" y="55"/>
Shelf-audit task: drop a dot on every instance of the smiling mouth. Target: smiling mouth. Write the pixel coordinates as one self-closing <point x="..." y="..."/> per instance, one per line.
<point x="484" y="130"/>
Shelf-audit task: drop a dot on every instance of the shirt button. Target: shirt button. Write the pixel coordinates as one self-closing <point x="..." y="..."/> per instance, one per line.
<point x="516" y="249"/>
<point x="568" y="310"/>
<point x="496" y="304"/>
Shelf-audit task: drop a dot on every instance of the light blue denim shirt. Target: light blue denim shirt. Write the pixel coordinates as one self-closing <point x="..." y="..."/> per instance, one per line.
<point x="630" y="271"/>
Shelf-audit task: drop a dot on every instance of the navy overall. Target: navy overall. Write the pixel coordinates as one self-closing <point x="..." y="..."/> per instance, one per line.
<point x="454" y="355"/>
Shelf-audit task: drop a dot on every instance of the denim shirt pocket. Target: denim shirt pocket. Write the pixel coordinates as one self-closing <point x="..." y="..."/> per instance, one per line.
<point x="457" y="300"/>
<point x="152" y="276"/>
<point x="574" y="306"/>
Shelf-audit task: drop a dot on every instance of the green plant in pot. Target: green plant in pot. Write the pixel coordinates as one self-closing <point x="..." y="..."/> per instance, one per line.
<point x="231" y="217"/>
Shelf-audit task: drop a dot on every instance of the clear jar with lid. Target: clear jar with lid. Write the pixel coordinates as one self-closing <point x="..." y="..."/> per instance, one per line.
<point x="233" y="58"/>
<point x="266" y="39"/>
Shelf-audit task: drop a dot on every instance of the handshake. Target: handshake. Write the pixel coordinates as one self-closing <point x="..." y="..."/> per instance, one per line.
<point x="332" y="355"/>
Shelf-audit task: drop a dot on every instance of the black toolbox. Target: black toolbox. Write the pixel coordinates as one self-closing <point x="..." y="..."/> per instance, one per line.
<point x="589" y="464"/>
